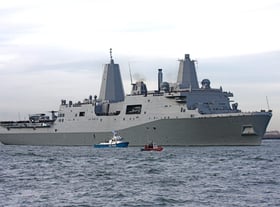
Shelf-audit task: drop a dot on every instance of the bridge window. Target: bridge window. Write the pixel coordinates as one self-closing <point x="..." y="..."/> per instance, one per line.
<point x="133" y="109"/>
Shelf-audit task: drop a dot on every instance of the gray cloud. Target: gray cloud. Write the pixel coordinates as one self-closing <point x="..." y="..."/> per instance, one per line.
<point x="258" y="68"/>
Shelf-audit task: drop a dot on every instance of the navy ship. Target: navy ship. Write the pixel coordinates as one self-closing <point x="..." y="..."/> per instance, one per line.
<point x="174" y="114"/>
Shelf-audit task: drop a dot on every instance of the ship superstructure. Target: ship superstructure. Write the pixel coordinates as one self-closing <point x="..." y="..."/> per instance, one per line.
<point x="174" y="114"/>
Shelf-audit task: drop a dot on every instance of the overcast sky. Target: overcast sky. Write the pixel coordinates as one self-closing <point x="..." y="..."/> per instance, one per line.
<point x="53" y="50"/>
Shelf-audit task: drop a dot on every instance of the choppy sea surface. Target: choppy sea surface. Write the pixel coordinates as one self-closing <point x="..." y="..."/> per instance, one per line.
<point x="177" y="176"/>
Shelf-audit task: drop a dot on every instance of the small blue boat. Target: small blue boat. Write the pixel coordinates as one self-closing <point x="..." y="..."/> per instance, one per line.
<point x="115" y="141"/>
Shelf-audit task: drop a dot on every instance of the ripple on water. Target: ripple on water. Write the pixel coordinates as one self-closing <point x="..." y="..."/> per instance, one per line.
<point x="182" y="176"/>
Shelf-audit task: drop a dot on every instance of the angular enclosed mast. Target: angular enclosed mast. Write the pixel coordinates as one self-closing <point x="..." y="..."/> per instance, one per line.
<point x="187" y="77"/>
<point x="111" y="87"/>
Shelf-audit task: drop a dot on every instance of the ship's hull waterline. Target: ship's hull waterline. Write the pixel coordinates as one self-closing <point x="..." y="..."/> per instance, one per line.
<point x="207" y="131"/>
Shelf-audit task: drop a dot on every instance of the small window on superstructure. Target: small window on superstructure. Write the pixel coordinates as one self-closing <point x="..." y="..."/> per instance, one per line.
<point x="133" y="109"/>
<point x="60" y="115"/>
<point x="82" y="113"/>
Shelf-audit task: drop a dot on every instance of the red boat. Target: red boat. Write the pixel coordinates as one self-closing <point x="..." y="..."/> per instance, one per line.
<point x="152" y="147"/>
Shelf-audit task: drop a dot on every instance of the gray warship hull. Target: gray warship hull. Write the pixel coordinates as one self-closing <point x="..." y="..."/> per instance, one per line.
<point x="175" y="114"/>
<point x="203" y="131"/>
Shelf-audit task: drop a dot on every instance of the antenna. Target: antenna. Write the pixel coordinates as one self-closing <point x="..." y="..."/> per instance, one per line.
<point x="111" y="57"/>
<point x="267" y="103"/>
<point x="196" y="63"/>
<point x="130" y="73"/>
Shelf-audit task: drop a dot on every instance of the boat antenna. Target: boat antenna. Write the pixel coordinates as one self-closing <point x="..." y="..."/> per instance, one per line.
<point x="130" y="73"/>
<point x="267" y="103"/>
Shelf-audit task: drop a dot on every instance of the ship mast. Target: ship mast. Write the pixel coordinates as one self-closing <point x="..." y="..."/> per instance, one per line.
<point x="111" y="87"/>
<point x="111" y="56"/>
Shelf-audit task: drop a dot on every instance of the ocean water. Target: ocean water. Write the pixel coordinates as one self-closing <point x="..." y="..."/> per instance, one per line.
<point x="177" y="176"/>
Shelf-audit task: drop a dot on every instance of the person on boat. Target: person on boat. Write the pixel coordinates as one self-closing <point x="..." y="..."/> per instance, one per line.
<point x="151" y="145"/>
